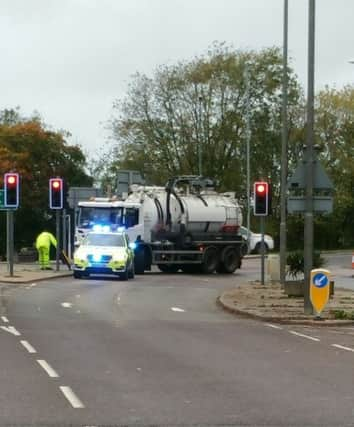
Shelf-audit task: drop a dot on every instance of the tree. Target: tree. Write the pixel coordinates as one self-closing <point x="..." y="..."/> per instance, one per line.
<point x="335" y="136"/>
<point x="164" y="120"/>
<point x="37" y="154"/>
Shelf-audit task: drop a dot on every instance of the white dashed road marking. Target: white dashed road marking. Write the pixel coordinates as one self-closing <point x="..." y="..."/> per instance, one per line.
<point x="273" y="326"/>
<point x="179" y="310"/>
<point x="49" y="370"/>
<point x="304" y="336"/>
<point x="11" y="330"/>
<point x="4" y="319"/>
<point x="28" y="347"/>
<point x="343" y="348"/>
<point x="67" y="304"/>
<point x="75" y="402"/>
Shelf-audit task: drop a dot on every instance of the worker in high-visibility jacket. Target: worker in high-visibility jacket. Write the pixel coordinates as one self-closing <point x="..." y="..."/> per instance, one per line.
<point x="43" y="242"/>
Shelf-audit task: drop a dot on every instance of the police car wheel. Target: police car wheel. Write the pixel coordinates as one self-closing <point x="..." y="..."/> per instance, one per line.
<point x="124" y="276"/>
<point x="131" y="273"/>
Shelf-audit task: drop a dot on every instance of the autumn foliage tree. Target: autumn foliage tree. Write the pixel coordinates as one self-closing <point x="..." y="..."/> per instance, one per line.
<point x="37" y="154"/>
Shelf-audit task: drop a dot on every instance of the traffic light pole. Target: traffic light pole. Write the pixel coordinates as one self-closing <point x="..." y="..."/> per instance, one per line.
<point x="57" y="212"/>
<point x="64" y="232"/>
<point x="10" y="241"/>
<point x="262" y="250"/>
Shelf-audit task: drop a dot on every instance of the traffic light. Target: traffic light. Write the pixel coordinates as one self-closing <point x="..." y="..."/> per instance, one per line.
<point x="261" y="198"/>
<point x="11" y="190"/>
<point x="56" y="193"/>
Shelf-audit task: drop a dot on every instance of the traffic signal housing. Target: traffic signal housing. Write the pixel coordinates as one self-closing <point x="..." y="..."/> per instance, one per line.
<point x="261" y="198"/>
<point x="11" y="190"/>
<point x="56" y="193"/>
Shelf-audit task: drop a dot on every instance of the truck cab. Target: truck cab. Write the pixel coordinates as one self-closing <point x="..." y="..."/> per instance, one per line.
<point x="101" y="213"/>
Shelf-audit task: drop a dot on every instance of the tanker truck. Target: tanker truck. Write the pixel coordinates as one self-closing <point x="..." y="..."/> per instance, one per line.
<point x="185" y="225"/>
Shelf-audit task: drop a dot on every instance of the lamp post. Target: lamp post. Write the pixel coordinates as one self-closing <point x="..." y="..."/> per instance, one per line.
<point x="284" y="150"/>
<point x="200" y="137"/>
<point x="308" y="155"/>
<point x="248" y="140"/>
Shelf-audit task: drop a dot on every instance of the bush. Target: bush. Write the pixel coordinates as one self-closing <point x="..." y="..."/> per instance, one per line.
<point x="295" y="261"/>
<point x="343" y="315"/>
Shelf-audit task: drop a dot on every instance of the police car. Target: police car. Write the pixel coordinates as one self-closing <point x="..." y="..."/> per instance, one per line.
<point x="104" y="253"/>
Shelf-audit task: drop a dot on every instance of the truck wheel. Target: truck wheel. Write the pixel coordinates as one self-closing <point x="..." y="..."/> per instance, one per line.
<point x="139" y="261"/>
<point x="77" y="274"/>
<point x="220" y="268"/>
<point x="230" y="259"/>
<point x="210" y="260"/>
<point x="168" y="268"/>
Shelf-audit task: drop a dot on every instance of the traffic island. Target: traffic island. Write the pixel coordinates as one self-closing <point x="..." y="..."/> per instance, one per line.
<point x="270" y="303"/>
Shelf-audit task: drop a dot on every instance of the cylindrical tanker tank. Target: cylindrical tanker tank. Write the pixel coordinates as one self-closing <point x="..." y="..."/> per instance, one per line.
<point x="206" y="212"/>
<point x="210" y="213"/>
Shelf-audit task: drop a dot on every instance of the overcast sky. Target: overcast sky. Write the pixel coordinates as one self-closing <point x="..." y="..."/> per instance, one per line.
<point x="70" y="59"/>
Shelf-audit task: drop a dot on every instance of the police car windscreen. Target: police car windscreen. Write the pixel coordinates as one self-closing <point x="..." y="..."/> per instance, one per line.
<point x="105" y="240"/>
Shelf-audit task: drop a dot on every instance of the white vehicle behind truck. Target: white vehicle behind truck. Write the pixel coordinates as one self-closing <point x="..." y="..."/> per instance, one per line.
<point x="185" y="225"/>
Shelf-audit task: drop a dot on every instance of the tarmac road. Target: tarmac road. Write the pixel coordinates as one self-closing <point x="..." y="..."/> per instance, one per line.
<point x="157" y="350"/>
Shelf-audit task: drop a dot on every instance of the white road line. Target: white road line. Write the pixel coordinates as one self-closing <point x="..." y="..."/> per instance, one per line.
<point x="4" y="319"/>
<point x="11" y="330"/>
<point x="49" y="370"/>
<point x="180" y="310"/>
<point x="304" y="336"/>
<point x="28" y="347"/>
<point x="75" y="402"/>
<point x="67" y="304"/>
<point x="273" y="326"/>
<point x="343" y="348"/>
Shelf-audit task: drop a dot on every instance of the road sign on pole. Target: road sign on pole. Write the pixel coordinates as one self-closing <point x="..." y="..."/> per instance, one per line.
<point x="319" y="289"/>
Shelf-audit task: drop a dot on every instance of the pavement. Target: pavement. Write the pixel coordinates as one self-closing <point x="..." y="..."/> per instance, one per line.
<point x="30" y="272"/>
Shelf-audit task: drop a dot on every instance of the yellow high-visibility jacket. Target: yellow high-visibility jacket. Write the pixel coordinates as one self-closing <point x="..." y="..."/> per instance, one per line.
<point x="45" y="239"/>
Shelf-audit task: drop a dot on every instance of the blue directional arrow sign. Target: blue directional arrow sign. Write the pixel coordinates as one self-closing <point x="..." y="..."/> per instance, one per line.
<point x="320" y="280"/>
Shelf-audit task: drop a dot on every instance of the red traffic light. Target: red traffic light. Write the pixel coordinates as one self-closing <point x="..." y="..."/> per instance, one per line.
<point x="56" y="193"/>
<point x="11" y="179"/>
<point x="261" y="198"/>
<point x="261" y="188"/>
<point x="56" y="184"/>
<point x="11" y="190"/>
